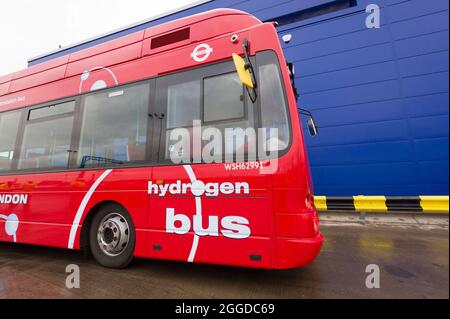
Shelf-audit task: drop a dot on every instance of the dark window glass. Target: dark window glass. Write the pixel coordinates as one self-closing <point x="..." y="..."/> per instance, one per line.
<point x="223" y="98"/>
<point x="170" y="38"/>
<point x="114" y="127"/>
<point x="46" y="144"/>
<point x="9" y="125"/>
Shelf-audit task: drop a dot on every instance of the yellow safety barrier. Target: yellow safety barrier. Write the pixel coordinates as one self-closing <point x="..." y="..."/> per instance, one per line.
<point x="434" y="204"/>
<point x="320" y="202"/>
<point x="376" y="204"/>
<point x="384" y="204"/>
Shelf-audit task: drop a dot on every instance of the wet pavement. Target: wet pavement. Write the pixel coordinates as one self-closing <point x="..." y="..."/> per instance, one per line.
<point x="413" y="260"/>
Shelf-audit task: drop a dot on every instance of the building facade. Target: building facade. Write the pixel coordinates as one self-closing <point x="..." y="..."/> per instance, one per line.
<point x="379" y="95"/>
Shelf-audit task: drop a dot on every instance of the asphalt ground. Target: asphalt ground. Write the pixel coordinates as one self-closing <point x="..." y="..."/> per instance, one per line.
<point x="410" y="251"/>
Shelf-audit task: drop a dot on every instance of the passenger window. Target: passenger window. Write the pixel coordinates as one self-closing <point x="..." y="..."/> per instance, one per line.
<point x="229" y="110"/>
<point x="215" y="98"/>
<point x="9" y="125"/>
<point x="114" y="126"/>
<point x="183" y="105"/>
<point x="223" y="98"/>
<point x="180" y="95"/>
<point x="46" y="141"/>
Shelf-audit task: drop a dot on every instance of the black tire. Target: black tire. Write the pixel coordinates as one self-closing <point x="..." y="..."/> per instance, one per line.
<point x="125" y="256"/>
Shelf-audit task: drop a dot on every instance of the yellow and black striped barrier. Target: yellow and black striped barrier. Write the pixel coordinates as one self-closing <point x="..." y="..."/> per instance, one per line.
<point x="384" y="204"/>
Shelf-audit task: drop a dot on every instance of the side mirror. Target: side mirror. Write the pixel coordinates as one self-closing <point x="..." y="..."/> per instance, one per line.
<point x="243" y="71"/>
<point x="310" y="123"/>
<point x="312" y="127"/>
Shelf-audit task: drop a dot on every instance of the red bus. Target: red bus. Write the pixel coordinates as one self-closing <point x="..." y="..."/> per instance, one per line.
<point x="86" y="144"/>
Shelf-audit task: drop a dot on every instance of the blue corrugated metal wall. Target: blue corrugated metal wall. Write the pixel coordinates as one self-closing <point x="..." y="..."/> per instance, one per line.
<point x="380" y="96"/>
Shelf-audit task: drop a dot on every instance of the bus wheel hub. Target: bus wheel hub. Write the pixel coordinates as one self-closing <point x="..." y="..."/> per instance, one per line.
<point x="113" y="234"/>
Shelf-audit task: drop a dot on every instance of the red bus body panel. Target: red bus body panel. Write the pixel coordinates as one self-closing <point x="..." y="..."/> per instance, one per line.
<point x="279" y="207"/>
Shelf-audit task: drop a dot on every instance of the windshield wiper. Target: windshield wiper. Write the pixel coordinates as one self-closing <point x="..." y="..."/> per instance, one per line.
<point x="249" y="66"/>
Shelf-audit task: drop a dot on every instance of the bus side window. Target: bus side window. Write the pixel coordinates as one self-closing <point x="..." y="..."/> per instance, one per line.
<point x="47" y="138"/>
<point x="223" y="98"/>
<point x="183" y="104"/>
<point x="9" y="125"/>
<point x="227" y="108"/>
<point x="214" y="97"/>
<point x="182" y="96"/>
<point x="114" y="126"/>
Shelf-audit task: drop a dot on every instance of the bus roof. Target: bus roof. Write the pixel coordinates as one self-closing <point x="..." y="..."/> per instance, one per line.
<point x="129" y="47"/>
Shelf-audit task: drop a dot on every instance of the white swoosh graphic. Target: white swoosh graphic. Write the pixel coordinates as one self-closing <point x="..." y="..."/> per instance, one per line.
<point x="6" y="220"/>
<point x="80" y="212"/>
<point x="101" y="68"/>
<point x="198" y="208"/>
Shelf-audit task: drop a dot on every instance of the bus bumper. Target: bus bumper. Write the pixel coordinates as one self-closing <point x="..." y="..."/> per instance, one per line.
<point x="298" y="252"/>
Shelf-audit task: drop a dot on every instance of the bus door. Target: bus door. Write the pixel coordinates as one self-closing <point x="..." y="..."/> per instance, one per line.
<point x="199" y="212"/>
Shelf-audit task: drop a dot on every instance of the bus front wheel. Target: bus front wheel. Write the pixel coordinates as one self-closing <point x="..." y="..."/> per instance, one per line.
<point x="112" y="237"/>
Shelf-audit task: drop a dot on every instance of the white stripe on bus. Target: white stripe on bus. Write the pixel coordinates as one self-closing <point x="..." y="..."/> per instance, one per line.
<point x="80" y="212"/>
<point x="198" y="207"/>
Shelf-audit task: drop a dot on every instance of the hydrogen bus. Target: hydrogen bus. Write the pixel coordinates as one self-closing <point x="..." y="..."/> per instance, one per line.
<point x="86" y="149"/>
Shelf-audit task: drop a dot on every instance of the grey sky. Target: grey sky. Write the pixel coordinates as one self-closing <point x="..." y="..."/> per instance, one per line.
<point x="29" y="28"/>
